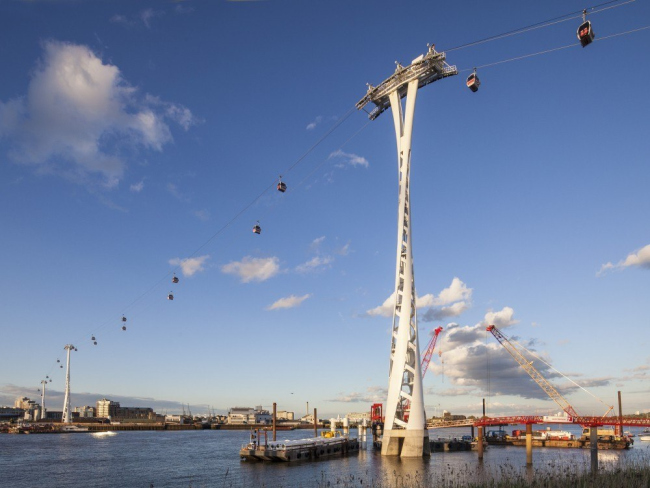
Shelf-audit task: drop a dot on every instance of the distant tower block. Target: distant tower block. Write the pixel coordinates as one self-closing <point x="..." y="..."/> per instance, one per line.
<point x="405" y="432"/>
<point x="67" y="416"/>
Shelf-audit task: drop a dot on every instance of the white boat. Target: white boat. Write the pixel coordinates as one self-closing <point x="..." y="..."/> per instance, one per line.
<point x="644" y="437"/>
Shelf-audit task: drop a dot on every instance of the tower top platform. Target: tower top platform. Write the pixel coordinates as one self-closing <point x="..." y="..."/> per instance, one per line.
<point x="426" y="68"/>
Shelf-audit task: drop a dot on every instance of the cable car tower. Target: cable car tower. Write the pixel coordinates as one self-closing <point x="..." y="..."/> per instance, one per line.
<point x="405" y="432"/>
<point x="67" y="416"/>
<point x="43" y="383"/>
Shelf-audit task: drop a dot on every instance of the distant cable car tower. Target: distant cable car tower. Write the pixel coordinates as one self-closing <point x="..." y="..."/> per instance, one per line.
<point x="67" y="416"/>
<point x="405" y="434"/>
<point x="43" y="383"/>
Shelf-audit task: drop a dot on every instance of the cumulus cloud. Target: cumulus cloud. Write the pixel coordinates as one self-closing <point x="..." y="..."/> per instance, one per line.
<point x="190" y="266"/>
<point x="453" y="301"/>
<point x="349" y="159"/>
<point x="502" y="319"/>
<point x="638" y="259"/>
<point x="288" y="302"/>
<point x="253" y="269"/>
<point x="79" y="117"/>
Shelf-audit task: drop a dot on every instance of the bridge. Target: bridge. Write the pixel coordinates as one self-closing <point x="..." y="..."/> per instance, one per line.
<point x="539" y="419"/>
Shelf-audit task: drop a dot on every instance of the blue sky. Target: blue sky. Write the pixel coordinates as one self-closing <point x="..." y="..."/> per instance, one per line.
<point x="133" y="133"/>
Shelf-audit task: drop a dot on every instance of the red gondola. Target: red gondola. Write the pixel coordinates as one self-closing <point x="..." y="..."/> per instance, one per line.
<point x="473" y="82"/>
<point x="585" y="32"/>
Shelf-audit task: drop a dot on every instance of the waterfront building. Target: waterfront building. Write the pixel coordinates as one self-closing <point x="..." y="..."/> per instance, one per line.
<point x="11" y="413"/>
<point x="247" y="415"/>
<point x="85" y="411"/>
<point x="106" y="408"/>
<point x="140" y="413"/>
<point x="284" y="415"/>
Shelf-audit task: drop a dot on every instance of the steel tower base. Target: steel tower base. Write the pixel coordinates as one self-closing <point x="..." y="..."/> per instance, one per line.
<point x="406" y="443"/>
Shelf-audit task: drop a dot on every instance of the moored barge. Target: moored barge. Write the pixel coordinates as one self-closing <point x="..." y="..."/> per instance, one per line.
<point x="328" y="445"/>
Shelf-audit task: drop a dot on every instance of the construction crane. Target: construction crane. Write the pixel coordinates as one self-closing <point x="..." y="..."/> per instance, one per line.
<point x="534" y="374"/>
<point x="426" y="357"/>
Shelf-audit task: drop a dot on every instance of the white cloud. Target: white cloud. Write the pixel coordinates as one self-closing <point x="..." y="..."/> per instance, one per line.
<point x="253" y="269"/>
<point x="373" y="394"/>
<point x="315" y="244"/>
<point x="137" y="187"/>
<point x="312" y="125"/>
<point x="457" y="291"/>
<point x="456" y="297"/>
<point x="147" y="14"/>
<point x="639" y="259"/>
<point x="288" y="302"/>
<point x="190" y="266"/>
<point x="202" y="214"/>
<point x="79" y="117"/>
<point x="314" y="264"/>
<point x="349" y="159"/>
<point x="502" y="319"/>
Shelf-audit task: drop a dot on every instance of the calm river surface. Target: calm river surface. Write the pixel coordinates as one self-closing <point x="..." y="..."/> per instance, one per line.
<point x="209" y="458"/>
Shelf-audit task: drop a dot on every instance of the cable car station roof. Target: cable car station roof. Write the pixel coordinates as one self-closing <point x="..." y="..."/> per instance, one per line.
<point x="426" y="68"/>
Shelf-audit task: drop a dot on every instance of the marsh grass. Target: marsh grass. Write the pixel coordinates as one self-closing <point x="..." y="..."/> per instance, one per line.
<point x="629" y="474"/>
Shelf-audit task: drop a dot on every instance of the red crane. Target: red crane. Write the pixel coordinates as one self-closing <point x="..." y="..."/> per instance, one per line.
<point x="426" y="357"/>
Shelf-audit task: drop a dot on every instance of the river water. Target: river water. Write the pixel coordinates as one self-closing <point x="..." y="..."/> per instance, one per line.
<point x="209" y="458"/>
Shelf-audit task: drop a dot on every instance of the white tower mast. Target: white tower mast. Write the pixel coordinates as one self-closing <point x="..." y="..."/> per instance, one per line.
<point x="405" y="432"/>
<point x="67" y="417"/>
<point x="43" y="383"/>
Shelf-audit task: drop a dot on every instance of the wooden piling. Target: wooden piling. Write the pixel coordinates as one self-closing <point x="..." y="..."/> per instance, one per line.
<point x="480" y="443"/>
<point x="620" y="415"/>
<point x="275" y="415"/>
<point x="593" y="440"/>
<point x="529" y="444"/>
<point x="315" y="423"/>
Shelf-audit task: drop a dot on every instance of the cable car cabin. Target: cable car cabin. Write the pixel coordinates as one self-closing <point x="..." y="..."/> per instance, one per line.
<point x="124" y="327"/>
<point x="95" y="342"/>
<point x="123" y="318"/>
<point x="282" y="187"/>
<point x="175" y="279"/>
<point x="257" y="229"/>
<point x="473" y="82"/>
<point x="170" y="297"/>
<point x="585" y="33"/>
<point x="92" y="338"/>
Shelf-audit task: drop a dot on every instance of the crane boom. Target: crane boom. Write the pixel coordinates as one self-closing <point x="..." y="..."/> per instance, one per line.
<point x="426" y="358"/>
<point x="532" y="371"/>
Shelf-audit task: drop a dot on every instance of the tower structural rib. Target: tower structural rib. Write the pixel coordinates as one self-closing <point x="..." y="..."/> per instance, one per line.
<point x="405" y="432"/>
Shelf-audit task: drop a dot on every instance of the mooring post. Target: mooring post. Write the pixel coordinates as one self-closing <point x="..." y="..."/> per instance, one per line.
<point x="275" y="405"/>
<point x="315" y="424"/>
<point x="480" y="443"/>
<point x="529" y="444"/>
<point x="472" y="431"/>
<point x="620" y="415"/>
<point x="593" y="440"/>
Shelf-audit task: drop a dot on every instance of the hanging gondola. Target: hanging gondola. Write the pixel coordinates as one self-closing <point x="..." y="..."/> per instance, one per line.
<point x="585" y="32"/>
<point x="95" y="342"/>
<point x="175" y="279"/>
<point x="170" y="296"/>
<point x="123" y="318"/>
<point x="92" y="338"/>
<point x="473" y="82"/>
<point x="58" y="360"/>
<point x="124" y="327"/>
<point x="282" y="187"/>
<point x="256" y="228"/>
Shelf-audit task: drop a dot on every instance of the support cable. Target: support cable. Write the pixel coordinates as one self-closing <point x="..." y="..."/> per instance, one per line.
<point x="539" y="25"/>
